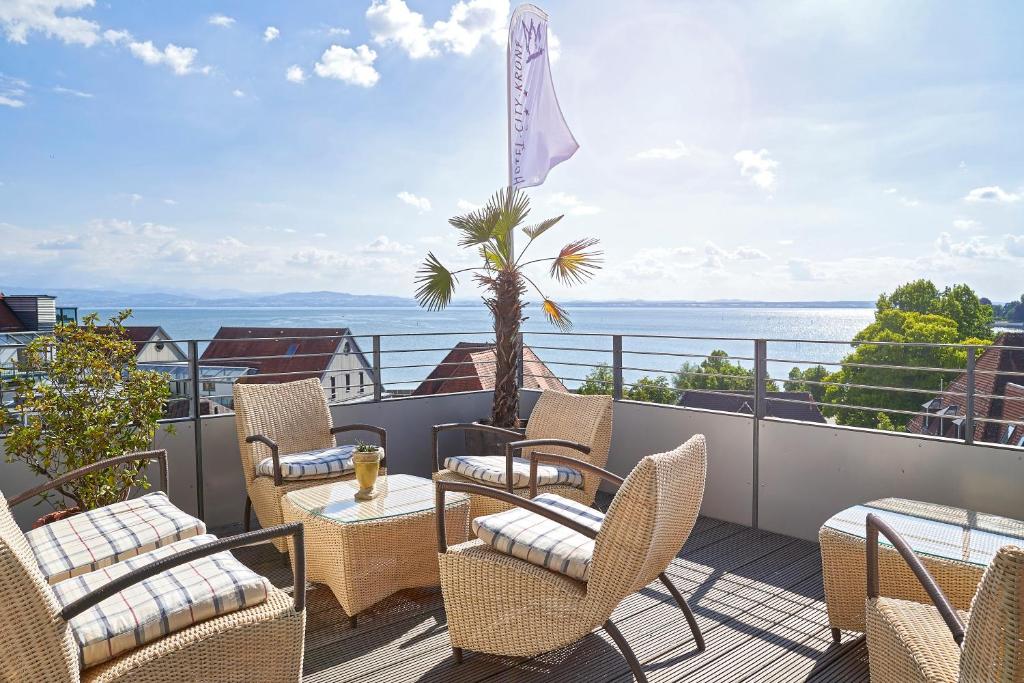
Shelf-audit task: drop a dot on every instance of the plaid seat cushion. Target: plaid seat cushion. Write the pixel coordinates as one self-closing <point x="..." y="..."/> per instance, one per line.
<point x="490" y="469"/>
<point x="151" y="609"/>
<point x="318" y="464"/>
<point x="542" y="541"/>
<point x="97" y="538"/>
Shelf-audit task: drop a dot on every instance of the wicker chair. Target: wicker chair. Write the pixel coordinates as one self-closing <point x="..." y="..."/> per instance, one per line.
<point x="909" y="641"/>
<point x="503" y="605"/>
<point x="275" y="420"/>
<point x="261" y="642"/>
<point x="561" y="423"/>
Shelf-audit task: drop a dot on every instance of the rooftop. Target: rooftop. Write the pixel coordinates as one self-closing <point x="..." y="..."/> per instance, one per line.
<point x="470" y="366"/>
<point x="735" y="401"/>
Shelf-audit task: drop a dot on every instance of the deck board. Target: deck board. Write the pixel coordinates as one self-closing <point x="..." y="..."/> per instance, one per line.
<point x="757" y="597"/>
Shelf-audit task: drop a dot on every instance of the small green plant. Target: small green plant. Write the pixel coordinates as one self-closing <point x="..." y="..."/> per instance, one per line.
<point x="363" y="447"/>
<point x="81" y="398"/>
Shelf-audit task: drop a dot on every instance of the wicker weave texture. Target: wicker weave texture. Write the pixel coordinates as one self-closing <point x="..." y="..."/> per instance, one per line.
<point x="844" y="571"/>
<point x="502" y="605"/>
<point x="296" y="417"/>
<point x="994" y="646"/>
<point x="558" y="415"/>
<point x="909" y="642"/>
<point x="364" y="562"/>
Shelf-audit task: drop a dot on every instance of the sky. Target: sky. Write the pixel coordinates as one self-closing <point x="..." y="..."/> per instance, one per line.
<point x="745" y="150"/>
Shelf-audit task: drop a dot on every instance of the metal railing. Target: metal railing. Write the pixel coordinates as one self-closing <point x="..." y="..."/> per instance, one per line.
<point x="395" y="365"/>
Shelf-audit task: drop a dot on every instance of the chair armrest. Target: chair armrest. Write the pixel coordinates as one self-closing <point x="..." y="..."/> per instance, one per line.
<point x="272" y="445"/>
<point x="876" y="525"/>
<point x="538" y="456"/>
<point x="159" y="455"/>
<point x="514" y="446"/>
<point x="441" y="487"/>
<point x="97" y="596"/>
<point x="467" y="426"/>
<point x="379" y="431"/>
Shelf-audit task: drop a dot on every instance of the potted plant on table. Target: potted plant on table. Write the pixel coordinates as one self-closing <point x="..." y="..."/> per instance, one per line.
<point x="505" y="276"/>
<point x="366" y="458"/>
<point x="80" y="398"/>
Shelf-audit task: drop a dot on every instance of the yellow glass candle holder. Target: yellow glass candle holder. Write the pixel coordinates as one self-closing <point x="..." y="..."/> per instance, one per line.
<point x="367" y="465"/>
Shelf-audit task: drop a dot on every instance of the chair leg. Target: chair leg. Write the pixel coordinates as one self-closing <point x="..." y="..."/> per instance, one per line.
<point x="247" y="520"/>
<point x="837" y="635"/>
<point x="457" y="653"/>
<point x="627" y="651"/>
<point x="353" y="620"/>
<point x="681" y="601"/>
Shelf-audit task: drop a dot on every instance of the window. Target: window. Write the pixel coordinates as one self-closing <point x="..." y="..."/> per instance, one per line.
<point x="346" y="348"/>
<point x="209" y="387"/>
<point x="360" y="382"/>
<point x="348" y="382"/>
<point x="334" y="391"/>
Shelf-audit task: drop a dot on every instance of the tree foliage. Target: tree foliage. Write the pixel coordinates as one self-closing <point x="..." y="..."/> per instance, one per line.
<point x="806" y="380"/>
<point x="652" y="390"/>
<point x="504" y="277"/>
<point x="717" y="373"/>
<point x="598" y="381"/>
<point x="1012" y="311"/>
<point x="81" y="398"/>
<point x="959" y="303"/>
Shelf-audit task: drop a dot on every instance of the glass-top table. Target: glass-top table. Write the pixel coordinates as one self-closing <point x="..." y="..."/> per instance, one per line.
<point x="397" y="494"/>
<point x="938" y="531"/>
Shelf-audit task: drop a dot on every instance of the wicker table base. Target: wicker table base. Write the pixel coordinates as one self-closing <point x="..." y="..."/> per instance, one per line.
<point x="955" y="545"/>
<point x="365" y="551"/>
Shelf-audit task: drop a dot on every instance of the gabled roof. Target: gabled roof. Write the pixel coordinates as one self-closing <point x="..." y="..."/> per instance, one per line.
<point x="743" y="402"/>
<point x="9" y="322"/>
<point x="298" y="352"/>
<point x="470" y="366"/>
<point x="996" y="371"/>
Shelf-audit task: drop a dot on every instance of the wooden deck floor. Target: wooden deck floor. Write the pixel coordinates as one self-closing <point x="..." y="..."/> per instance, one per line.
<point x="757" y="597"/>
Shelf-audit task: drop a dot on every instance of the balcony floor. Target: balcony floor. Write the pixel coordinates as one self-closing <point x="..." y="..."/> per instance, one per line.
<point x="757" y="596"/>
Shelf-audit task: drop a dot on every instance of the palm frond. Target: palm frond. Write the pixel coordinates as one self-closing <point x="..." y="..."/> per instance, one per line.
<point x="538" y="229"/>
<point x="510" y="207"/>
<point x="436" y="284"/>
<point x="574" y="264"/>
<point x="477" y="227"/>
<point x="494" y="259"/>
<point x="556" y="315"/>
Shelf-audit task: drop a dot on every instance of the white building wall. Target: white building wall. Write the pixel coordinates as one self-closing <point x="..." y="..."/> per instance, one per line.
<point x="345" y="369"/>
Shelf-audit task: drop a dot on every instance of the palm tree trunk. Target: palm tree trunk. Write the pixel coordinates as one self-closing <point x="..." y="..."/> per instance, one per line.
<point x="507" y="310"/>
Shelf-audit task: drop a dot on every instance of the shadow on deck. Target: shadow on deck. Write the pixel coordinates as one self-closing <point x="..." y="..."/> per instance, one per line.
<point x="757" y="596"/>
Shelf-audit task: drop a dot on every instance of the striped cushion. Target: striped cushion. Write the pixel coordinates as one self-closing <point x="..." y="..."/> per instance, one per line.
<point x="97" y="538"/>
<point x="542" y="541"/>
<point x="318" y="464"/>
<point x="162" y="604"/>
<point x="490" y="469"/>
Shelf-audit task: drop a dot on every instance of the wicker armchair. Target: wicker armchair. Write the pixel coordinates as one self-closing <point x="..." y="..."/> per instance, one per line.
<point x="260" y="642"/>
<point x="503" y="605"/>
<point x="562" y="424"/>
<point x="274" y="421"/>
<point x="910" y="641"/>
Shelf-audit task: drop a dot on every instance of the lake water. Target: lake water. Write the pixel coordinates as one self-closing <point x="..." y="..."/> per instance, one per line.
<point x="728" y="328"/>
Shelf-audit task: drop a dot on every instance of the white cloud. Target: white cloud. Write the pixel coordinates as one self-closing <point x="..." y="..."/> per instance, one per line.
<point x="385" y="245"/>
<point x="237" y="93"/>
<point x="903" y="199"/>
<point x="319" y="258"/>
<point x="966" y="224"/>
<point x="392" y="22"/>
<point x="116" y="37"/>
<point x="715" y="256"/>
<point x="12" y="92"/>
<point x="295" y="74"/>
<point x="802" y="269"/>
<point x="993" y="193"/>
<point x="221" y="20"/>
<point x="1015" y="245"/>
<point x="170" y="202"/>
<point x="348" y="65"/>
<point x="676" y="151"/>
<point x="52" y="18"/>
<point x="976" y="247"/>
<point x="420" y="203"/>
<point x="571" y="204"/>
<point x="135" y="197"/>
<point x="466" y="206"/>
<point x="67" y="242"/>
<point x="61" y="90"/>
<point x="785" y="243"/>
<point x="180" y="59"/>
<point x="749" y="254"/>
<point x="270" y="33"/>
<point x="758" y="167"/>
<point x="338" y="31"/>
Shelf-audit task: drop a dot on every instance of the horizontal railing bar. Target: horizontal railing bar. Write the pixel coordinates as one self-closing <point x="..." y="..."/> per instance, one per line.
<point x="686" y="355"/>
<point x="568" y="348"/>
<point x="872" y="387"/>
<point x="867" y="366"/>
<point x="848" y="406"/>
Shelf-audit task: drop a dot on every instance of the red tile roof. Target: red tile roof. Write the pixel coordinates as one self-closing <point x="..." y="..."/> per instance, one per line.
<point x="470" y="367"/>
<point x="743" y="402"/>
<point x="301" y="352"/>
<point x="996" y="371"/>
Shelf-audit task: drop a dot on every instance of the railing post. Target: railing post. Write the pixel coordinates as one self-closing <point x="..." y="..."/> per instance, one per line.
<point x="197" y="424"/>
<point x="519" y="361"/>
<point x="969" y="402"/>
<point x="760" y="379"/>
<point x="378" y="385"/>
<point x="617" y="367"/>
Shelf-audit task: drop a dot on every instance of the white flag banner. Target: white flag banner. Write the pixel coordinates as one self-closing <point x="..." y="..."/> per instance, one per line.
<point x="538" y="137"/>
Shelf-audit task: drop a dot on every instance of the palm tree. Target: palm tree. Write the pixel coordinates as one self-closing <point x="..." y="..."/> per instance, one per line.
<point x="502" y="277"/>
